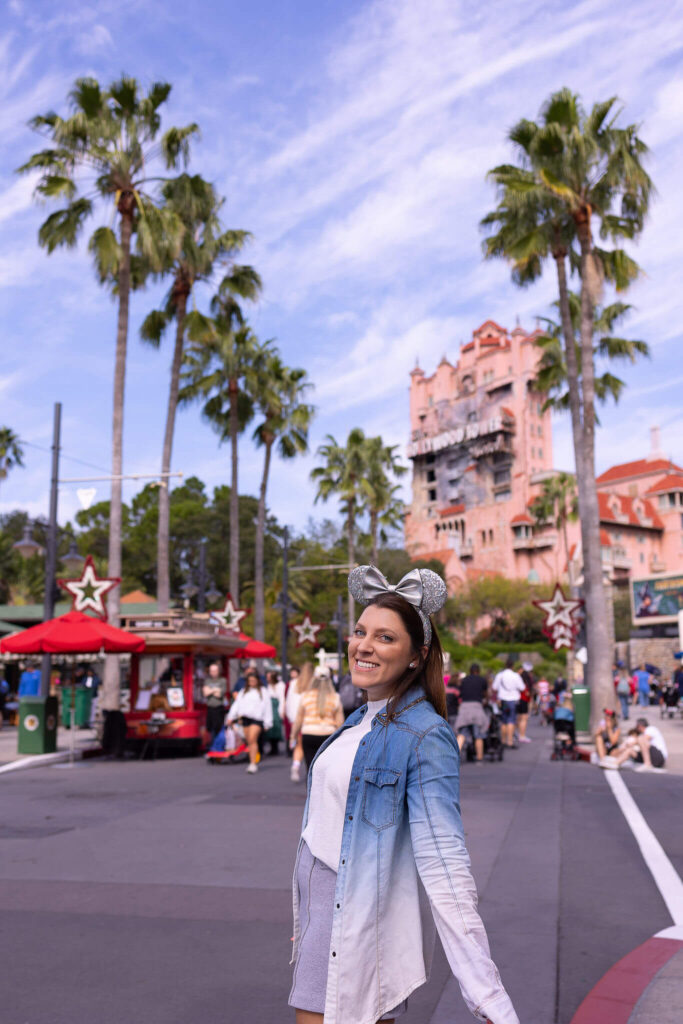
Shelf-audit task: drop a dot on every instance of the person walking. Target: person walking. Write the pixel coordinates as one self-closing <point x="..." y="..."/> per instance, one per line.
<point x="214" y="691"/>
<point x="623" y="688"/>
<point x="525" y="697"/>
<point x="642" y="678"/>
<point x="299" y="682"/>
<point x="320" y="714"/>
<point x="471" y="715"/>
<point x="508" y="685"/>
<point x="276" y="691"/>
<point x="382" y="861"/>
<point x="253" y="712"/>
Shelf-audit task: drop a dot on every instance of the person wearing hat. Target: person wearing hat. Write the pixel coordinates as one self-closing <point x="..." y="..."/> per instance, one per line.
<point x="382" y="862"/>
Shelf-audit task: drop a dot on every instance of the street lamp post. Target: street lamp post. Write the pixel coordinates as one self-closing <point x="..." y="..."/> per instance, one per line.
<point x="285" y="601"/>
<point x="338" y="623"/>
<point x="201" y="597"/>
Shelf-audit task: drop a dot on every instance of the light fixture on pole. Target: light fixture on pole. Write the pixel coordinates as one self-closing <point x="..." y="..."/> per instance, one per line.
<point x="27" y="546"/>
<point x="72" y="561"/>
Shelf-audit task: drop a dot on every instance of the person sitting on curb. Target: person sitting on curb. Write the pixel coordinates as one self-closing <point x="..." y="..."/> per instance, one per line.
<point x="607" y="735"/>
<point x="648" y="749"/>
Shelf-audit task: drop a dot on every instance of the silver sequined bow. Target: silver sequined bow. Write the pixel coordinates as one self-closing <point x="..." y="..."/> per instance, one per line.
<point x="422" y="588"/>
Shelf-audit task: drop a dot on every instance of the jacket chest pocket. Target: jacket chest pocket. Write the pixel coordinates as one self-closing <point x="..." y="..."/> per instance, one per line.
<point x="380" y="797"/>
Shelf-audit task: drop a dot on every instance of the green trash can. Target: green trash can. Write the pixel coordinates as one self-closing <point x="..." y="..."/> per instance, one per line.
<point x="37" y="725"/>
<point x="82" y="706"/>
<point x="582" y="708"/>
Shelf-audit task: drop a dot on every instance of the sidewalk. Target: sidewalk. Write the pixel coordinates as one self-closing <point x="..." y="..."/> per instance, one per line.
<point x="670" y="728"/>
<point x="85" y="743"/>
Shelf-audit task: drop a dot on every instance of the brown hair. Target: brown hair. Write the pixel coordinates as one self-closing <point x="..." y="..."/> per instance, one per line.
<point x="251" y="672"/>
<point x="429" y="670"/>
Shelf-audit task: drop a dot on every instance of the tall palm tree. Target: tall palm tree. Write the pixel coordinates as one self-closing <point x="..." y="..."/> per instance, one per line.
<point x="381" y="501"/>
<point x="576" y="168"/>
<point x="286" y="419"/>
<point x="220" y="369"/>
<point x="106" y="150"/>
<point x="203" y="245"/>
<point x="557" y="503"/>
<point x="342" y="475"/>
<point x="11" y="451"/>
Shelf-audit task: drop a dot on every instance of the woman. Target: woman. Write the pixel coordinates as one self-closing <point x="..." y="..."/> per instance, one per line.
<point x="320" y="714"/>
<point x="253" y="712"/>
<point x="382" y="836"/>
<point x="299" y="681"/>
<point x="527" y="675"/>
<point x="276" y="692"/>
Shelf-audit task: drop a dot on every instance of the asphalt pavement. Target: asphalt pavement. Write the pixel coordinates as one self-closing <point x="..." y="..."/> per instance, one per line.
<point x="160" y="890"/>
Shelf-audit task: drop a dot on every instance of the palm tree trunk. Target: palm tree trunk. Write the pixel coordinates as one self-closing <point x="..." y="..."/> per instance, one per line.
<point x="163" y="530"/>
<point x="259" y="598"/>
<point x="234" y="498"/>
<point x="111" y="683"/>
<point x="350" y="531"/>
<point x="374" y="530"/>
<point x="570" y="356"/>
<point x="599" y="666"/>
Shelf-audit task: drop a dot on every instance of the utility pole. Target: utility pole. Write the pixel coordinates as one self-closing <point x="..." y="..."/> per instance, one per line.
<point x="51" y="553"/>
<point x="201" y="597"/>
<point x="284" y="597"/>
<point x="340" y="633"/>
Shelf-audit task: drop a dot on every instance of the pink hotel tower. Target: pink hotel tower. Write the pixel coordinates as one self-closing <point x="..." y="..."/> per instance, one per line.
<point x="481" y="447"/>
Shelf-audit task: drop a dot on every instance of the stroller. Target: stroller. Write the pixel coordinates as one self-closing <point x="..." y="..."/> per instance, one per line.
<point x="668" y="701"/>
<point x="230" y="737"/>
<point x="493" y="745"/>
<point x="564" y="741"/>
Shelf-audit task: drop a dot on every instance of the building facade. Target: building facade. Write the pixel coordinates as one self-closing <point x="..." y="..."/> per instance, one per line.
<point x="481" y="449"/>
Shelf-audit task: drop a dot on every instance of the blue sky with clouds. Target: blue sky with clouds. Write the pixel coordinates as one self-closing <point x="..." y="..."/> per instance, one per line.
<point x="352" y="138"/>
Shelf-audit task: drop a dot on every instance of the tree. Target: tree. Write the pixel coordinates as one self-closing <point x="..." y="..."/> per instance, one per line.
<point x="384" y="508"/>
<point x="557" y="503"/>
<point x="203" y="245"/>
<point x="221" y="370"/>
<point x="279" y="396"/>
<point x="112" y="138"/>
<point x="342" y="475"/>
<point x="576" y="168"/>
<point x="11" y="452"/>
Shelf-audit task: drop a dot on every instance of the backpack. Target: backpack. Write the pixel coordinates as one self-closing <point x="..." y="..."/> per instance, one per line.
<point x="623" y="689"/>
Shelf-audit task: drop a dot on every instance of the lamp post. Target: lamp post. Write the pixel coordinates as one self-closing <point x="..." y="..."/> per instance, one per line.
<point x="284" y="597"/>
<point x="338" y="623"/>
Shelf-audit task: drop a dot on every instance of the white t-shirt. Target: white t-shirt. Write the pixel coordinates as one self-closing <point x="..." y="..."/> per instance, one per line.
<point x="330" y="789"/>
<point x="656" y="740"/>
<point x="508" y="684"/>
<point x="253" y="703"/>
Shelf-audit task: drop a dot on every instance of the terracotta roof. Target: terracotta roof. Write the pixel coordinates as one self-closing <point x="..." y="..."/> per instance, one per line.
<point x="441" y="555"/>
<point x="467" y="347"/>
<point x="641" y="467"/>
<point x="672" y="482"/>
<point x="508" y="412"/>
<point x="605" y="541"/>
<point x="626" y="503"/>
<point x="137" y="597"/>
<point x="452" y="510"/>
<point x="522" y="517"/>
<point x="490" y="323"/>
<point x="472" y="466"/>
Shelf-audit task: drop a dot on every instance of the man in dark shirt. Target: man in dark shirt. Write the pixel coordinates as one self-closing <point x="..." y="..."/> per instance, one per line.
<point x="471" y="715"/>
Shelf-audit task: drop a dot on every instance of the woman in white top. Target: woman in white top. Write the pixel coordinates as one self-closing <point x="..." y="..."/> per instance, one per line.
<point x="253" y="711"/>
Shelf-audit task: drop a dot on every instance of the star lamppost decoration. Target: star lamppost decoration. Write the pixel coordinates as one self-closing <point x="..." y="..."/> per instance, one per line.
<point x="307" y="631"/>
<point x="88" y="590"/>
<point x="562" y="615"/>
<point x="231" y="617"/>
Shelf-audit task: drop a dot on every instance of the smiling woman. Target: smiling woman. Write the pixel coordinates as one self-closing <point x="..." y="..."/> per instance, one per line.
<point x="383" y="815"/>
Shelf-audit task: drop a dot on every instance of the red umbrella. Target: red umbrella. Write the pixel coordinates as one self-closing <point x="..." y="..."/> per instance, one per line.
<point x="253" y="649"/>
<point x="73" y="633"/>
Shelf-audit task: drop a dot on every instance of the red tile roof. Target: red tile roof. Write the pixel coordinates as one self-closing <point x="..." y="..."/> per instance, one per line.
<point x="522" y="517"/>
<point x="507" y="412"/>
<point x="626" y="509"/>
<point x="441" y="555"/>
<point x="468" y="347"/>
<point x="490" y="323"/>
<point x="641" y="467"/>
<point x="672" y="482"/>
<point x="605" y="541"/>
<point x="452" y="510"/>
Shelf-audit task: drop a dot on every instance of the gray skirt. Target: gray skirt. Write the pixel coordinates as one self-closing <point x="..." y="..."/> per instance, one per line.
<point x="316" y="884"/>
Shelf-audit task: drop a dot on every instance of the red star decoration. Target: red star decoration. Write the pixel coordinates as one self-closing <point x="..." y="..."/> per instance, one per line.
<point x="231" y="617"/>
<point x="87" y="591"/>
<point x="307" y="631"/>
<point x="561" y="618"/>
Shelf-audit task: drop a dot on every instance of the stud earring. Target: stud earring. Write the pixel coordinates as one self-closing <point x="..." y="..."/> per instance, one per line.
<point x="412" y="665"/>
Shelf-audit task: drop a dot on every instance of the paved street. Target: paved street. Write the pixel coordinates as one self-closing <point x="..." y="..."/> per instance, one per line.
<point x="160" y="891"/>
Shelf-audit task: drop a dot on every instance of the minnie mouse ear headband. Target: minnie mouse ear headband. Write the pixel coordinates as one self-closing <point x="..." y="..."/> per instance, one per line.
<point x="422" y="588"/>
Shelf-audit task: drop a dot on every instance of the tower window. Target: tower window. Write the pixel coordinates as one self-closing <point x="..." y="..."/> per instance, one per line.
<point x="431" y="494"/>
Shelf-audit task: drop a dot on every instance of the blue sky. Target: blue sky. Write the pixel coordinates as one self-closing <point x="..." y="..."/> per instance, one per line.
<point x="353" y="140"/>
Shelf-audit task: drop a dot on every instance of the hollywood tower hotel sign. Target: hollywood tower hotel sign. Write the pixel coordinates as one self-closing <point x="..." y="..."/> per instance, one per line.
<point x="481" y="446"/>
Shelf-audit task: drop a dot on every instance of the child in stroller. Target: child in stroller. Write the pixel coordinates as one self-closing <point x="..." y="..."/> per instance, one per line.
<point x="564" y="740"/>
<point x="493" y="744"/>
<point x="668" y="700"/>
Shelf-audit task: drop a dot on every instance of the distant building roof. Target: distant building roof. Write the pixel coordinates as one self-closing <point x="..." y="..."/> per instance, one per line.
<point x="522" y="517"/>
<point x="620" y="508"/>
<point x="605" y="541"/>
<point x="672" y="482"/>
<point x="641" y="467"/>
<point x="441" y="555"/>
<point x="452" y="510"/>
<point x="137" y="597"/>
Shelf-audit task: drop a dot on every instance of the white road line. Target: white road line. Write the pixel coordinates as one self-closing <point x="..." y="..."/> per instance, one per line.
<point x="665" y="876"/>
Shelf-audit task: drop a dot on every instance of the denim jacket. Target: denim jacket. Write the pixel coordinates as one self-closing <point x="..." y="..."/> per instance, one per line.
<point x="403" y="870"/>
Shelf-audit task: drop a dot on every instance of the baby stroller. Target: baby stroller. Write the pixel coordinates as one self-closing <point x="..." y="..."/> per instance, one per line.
<point x="668" y="701"/>
<point x="564" y="741"/>
<point x="493" y="745"/>
<point x="232" y="738"/>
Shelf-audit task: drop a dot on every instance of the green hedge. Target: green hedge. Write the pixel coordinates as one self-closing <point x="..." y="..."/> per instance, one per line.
<point x="490" y="656"/>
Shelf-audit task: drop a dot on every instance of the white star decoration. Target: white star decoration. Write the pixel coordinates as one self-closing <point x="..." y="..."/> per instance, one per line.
<point x="88" y="591"/>
<point x="231" y="617"/>
<point x="561" y="618"/>
<point x="307" y="631"/>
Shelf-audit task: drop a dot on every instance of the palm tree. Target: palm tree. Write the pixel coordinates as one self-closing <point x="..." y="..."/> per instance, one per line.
<point x="557" y="503"/>
<point x="574" y="167"/>
<point x="383" y="506"/>
<point x="342" y="475"/>
<point x="108" y="144"/>
<point x="11" y="452"/>
<point x="220" y="369"/>
<point x="203" y="245"/>
<point x="286" y="419"/>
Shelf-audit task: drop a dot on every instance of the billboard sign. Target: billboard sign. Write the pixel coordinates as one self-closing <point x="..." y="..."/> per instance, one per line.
<point x="656" y="599"/>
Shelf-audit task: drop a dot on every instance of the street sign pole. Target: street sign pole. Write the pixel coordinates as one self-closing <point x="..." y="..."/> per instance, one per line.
<point x="285" y="602"/>
<point x="51" y="554"/>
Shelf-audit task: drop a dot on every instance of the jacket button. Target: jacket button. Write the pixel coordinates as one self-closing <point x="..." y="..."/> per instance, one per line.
<point x="344" y="860"/>
<point x="338" y="906"/>
<point x="334" y="954"/>
<point x="357" y="779"/>
<point x="363" y="743"/>
<point x="350" y="817"/>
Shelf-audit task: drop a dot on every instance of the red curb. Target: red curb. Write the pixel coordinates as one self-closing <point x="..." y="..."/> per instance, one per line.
<point x="614" y="997"/>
